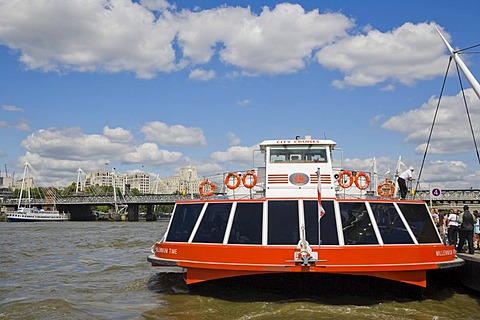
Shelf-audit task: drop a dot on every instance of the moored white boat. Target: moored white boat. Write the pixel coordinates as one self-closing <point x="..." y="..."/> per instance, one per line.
<point x="35" y="214"/>
<point x="27" y="213"/>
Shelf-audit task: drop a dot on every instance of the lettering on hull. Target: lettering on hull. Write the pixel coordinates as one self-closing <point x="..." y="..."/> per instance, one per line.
<point x="166" y="250"/>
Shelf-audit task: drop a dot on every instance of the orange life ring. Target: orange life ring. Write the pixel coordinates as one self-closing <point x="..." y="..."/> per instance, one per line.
<point x="367" y="180"/>
<point x="253" y="182"/>
<point x="237" y="181"/>
<point x="386" y="189"/>
<point x="202" y="190"/>
<point x="341" y="181"/>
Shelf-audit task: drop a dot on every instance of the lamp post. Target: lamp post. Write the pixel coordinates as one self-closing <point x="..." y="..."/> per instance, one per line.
<point x="190" y="183"/>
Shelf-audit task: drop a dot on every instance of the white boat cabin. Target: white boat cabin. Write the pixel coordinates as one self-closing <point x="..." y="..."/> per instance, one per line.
<point x="291" y="167"/>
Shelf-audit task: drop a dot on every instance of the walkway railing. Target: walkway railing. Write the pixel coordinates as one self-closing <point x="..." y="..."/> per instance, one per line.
<point x="452" y="197"/>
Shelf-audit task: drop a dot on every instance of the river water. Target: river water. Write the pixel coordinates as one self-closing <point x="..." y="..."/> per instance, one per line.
<point x="98" y="270"/>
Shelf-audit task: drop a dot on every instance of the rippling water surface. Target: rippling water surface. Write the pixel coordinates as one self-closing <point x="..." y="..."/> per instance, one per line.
<point x="98" y="270"/>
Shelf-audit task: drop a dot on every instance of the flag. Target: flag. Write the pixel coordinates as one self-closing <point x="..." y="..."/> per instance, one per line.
<point x="321" y="211"/>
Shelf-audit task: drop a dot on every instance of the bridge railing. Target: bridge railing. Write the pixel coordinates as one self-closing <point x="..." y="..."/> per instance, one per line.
<point x="446" y="196"/>
<point x="139" y="199"/>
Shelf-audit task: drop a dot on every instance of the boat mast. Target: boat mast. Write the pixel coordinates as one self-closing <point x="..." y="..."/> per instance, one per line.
<point x="114" y="183"/>
<point x="80" y="173"/>
<point x="23" y="185"/>
<point x="456" y="56"/>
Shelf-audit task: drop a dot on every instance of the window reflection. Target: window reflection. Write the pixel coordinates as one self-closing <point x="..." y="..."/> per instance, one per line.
<point x="418" y="218"/>
<point x="356" y="224"/>
<point x="391" y="226"/>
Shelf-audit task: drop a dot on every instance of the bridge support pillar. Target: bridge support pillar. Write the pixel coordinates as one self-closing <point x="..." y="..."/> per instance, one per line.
<point x="132" y="212"/>
<point x="150" y="216"/>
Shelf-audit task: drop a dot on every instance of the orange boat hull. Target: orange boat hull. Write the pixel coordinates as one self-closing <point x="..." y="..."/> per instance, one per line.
<point x="404" y="263"/>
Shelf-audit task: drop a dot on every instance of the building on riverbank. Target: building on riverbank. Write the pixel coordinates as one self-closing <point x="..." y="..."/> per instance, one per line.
<point x="186" y="182"/>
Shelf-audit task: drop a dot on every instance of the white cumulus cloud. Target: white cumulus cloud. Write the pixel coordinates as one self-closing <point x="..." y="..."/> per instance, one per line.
<point x="175" y="135"/>
<point x="407" y="54"/>
<point x="151" y="37"/>
<point x="451" y="133"/>
<point x="201" y="74"/>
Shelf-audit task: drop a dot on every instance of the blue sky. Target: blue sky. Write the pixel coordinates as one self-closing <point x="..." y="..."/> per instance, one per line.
<point x="154" y="85"/>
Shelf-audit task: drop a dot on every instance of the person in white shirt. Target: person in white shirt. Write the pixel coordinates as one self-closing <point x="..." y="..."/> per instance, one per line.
<point x="452" y="224"/>
<point x="405" y="176"/>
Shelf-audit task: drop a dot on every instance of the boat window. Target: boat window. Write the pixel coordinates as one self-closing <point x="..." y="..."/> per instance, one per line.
<point x="183" y="221"/>
<point x="356" y="224"/>
<point x="328" y="226"/>
<point x="418" y="218"/>
<point x="298" y="154"/>
<point x="391" y="226"/>
<point x="213" y="224"/>
<point x="283" y="222"/>
<point x="247" y="224"/>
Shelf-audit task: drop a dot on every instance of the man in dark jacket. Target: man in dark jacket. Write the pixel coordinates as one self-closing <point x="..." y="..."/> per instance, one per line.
<point x="467" y="220"/>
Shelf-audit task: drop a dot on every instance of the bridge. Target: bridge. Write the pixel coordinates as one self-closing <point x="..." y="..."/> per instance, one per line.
<point x="451" y="198"/>
<point x="78" y="206"/>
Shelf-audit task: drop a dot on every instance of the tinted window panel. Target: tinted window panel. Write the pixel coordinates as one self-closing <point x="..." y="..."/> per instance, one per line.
<point x="418" y="218"/>
<point x="298" y="155"/>
<point x="283" y="222"/>
<point x="328" y="225"/>
<point x="391" y="226"/>
<point x="214" y="222"/>
<point x="247" y="224"/>
<point x="356" y="224"/>
<point x="184" y="219"/>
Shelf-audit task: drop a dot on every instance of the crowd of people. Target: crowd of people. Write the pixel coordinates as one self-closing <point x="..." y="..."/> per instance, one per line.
<point x="459" y="227"/>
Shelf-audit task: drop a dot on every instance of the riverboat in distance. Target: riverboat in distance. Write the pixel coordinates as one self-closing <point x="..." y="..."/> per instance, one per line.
<point x="27" y="213"/>
<point x="300" y="215"/>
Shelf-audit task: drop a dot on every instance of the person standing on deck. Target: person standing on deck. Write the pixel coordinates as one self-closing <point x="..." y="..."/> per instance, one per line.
<point x="452" y="225"/>
<point x="405" y="176"/>
<point x="476" y="231"/>
<point x="467" y="221"/>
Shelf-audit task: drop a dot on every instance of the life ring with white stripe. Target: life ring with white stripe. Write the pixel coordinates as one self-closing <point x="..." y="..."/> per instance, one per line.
<point x="344" y="182"/>
<point x="386" y="189"/>
<point x="203" y="191"/>
<point x="357" y="180"/>
<point x="253" y="182"/>
<point x="236" y="180"/>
